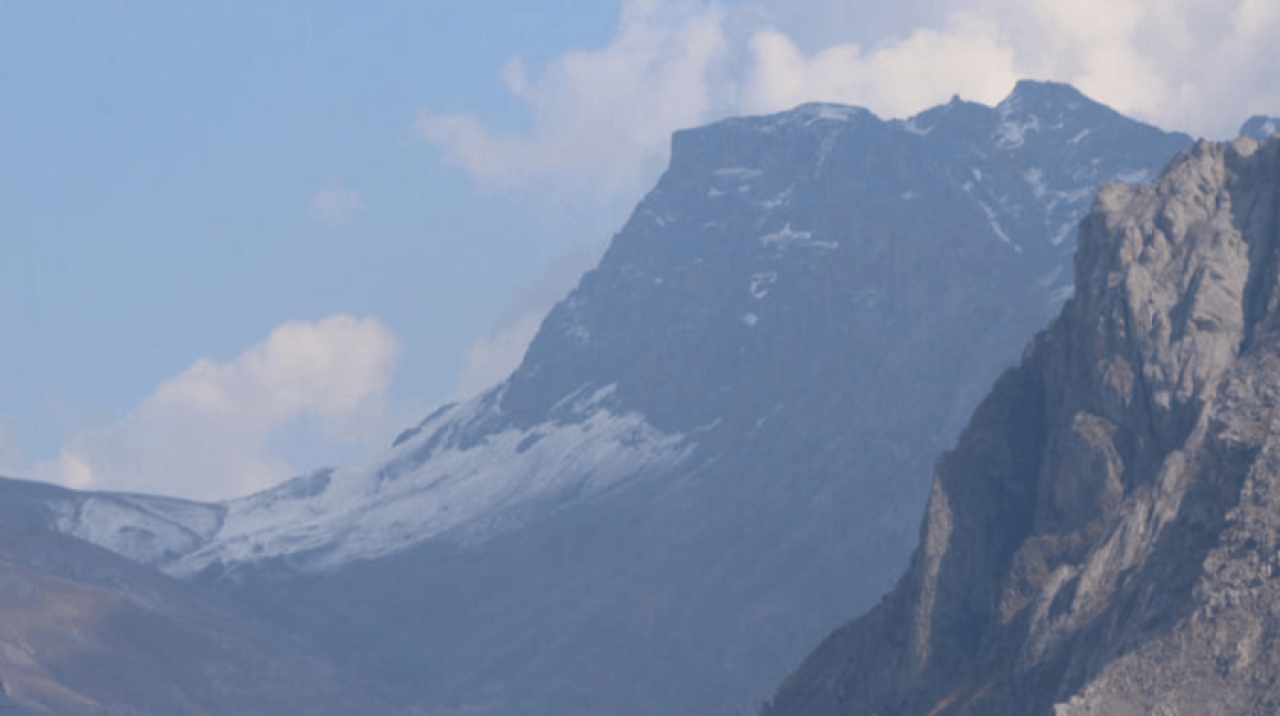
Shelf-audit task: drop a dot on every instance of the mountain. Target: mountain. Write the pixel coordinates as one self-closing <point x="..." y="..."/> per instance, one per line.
<point x="1103" y="539"/>
<point x="84" y="632"/>
<point x="1260" y="127"/>
<point x="715" y="447"/>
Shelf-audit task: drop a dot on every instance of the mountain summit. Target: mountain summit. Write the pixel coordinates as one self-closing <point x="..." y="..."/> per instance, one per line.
<point x="715" y="447"/>
<point x="1260" y="127"/>
<point x="1104" y="538"/>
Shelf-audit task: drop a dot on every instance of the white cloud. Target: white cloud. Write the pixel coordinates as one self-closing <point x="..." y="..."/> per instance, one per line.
<point x="1202" y="66"/>
<point x="203" y="434"/>
<point x="898" y="79"/>
<point x="334" y="203"/>
<point x="601" y="119"/>
<point x="491" y="359"/>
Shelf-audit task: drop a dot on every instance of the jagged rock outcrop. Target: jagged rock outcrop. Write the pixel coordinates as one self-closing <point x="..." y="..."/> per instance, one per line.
<point x="1105" y="538"/>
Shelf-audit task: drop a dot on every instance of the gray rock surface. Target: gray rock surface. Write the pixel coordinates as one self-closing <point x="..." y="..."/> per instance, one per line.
<point x="1104" y="538"/>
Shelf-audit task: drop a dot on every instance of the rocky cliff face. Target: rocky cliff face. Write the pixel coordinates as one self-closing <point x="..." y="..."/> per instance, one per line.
<point x="1105" y="537"/>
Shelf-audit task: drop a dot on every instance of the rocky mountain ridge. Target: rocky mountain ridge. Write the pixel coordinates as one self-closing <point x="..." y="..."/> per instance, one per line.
<point x="1103" y="539"/>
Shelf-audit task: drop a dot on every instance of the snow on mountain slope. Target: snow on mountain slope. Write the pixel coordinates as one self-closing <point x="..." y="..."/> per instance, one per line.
<point x="147" y="529"/>
<point x="427" y="486"/>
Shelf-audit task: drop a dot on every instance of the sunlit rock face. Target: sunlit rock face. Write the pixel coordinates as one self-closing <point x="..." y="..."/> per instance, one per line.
<point x="1104" y="538"/>
<point x="718" y="445"/>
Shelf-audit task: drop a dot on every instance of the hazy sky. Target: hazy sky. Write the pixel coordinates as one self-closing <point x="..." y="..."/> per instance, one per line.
<point x="242" y="240"/>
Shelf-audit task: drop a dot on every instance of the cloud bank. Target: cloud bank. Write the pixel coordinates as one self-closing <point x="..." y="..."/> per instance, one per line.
<point x="204" y="433"/>
<point x="601" y="118"/>
<point x="489" y="360"/>
<point x="334" y="203"/>
<point x="597" y="115"/>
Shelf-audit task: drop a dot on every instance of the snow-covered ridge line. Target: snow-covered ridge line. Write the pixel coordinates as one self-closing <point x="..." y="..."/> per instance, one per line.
<point x="458" y="491"/>
<point x="147" y="529"/>
<point x="455" y="475"/>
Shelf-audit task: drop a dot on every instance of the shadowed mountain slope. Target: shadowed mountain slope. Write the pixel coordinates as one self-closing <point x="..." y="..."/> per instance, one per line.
<point x="84" y="632"/>
<point x="1104" y="538"/>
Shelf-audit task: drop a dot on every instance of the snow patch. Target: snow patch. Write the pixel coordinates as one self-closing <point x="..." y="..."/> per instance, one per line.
<point x="750" y="319"/>
<point x="469" y="494"/>
<point x="149" y="530"/>
<point x="778" y="200"/>
<point x="578" y="333"/>
<point x="1012" y="134"/>
<point x="761" y="282"/>
<point x="1035" y="179"/>
<point x="789" y="237"/>
<point x="834" y="113"/>
<point x="911" y="126"/>
<point x="738" y="173"/>
<point x="824" y="151"/>
<point x="786" y="236"/>
<point x="802" y="117"/>
<point x="995" y="226"/>
<point x="1063" y="232"/>
<point x="991" y="218"/>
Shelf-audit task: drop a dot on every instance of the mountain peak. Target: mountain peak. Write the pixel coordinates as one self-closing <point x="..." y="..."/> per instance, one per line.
<point x="1037" y="96"/>
<point x="1260" y="126"/>
<point x="1045" y="88"/>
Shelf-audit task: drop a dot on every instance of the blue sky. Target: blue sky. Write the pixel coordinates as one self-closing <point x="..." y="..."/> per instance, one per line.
<point x="200" y="203"/>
